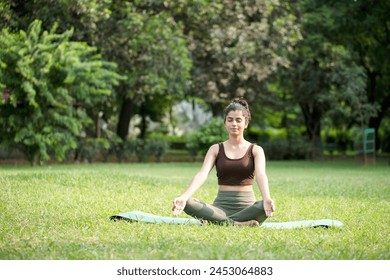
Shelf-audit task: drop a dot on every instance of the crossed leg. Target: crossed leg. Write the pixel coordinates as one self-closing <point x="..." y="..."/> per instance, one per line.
<point x="204" y="211"/>
<point x="252" y="215"/>
<point x="253" y="212"/>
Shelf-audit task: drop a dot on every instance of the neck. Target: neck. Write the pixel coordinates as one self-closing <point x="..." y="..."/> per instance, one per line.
<point x="236" y="140"/>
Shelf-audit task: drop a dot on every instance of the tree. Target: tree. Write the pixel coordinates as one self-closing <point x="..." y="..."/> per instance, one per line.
<point x="238" y="47"/>
<point x="151" y="52"/>
<point x="323" y="77"/>
<point x="83" y="16"/>
<point x="144" y="42"/>
<point x="52" y="84"/>
<point x="363" y="27"/>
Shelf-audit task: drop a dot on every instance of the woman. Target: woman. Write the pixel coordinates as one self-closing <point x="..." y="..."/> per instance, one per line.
<point x="237" y="162"/>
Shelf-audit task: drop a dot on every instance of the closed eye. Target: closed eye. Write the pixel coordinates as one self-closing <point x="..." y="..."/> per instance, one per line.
<point x="237" y="120"/>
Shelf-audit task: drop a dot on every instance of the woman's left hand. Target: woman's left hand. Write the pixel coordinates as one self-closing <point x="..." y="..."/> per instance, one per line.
<point x="269" y="207"/>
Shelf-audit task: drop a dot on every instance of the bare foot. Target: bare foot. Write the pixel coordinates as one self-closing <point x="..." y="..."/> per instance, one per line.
<point x="251" y="223"/>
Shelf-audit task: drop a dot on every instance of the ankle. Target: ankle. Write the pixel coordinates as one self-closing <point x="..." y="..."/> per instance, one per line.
<point x="251" y="223"/>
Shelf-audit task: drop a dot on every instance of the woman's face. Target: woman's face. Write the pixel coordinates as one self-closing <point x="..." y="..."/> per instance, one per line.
<point x="235" y="122"/>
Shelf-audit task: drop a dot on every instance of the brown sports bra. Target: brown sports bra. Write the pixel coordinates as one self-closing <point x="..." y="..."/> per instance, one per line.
<point x="235" y="172"/>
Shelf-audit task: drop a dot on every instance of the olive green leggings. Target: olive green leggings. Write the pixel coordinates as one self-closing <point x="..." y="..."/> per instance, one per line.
<point x="228" y="206"/>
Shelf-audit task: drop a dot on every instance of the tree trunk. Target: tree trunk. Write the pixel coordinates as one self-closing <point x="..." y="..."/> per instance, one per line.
<point x="144" y="124"/>
<point x="312" y="115"/>
<point x="125" y="114"/>
<point x="216" y="109"/>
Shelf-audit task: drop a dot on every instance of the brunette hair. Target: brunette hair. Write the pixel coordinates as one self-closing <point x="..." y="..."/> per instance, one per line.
<point x="238" y="104"/>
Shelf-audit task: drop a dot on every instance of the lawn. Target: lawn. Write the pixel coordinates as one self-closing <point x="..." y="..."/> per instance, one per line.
<point x="62" y="212"/>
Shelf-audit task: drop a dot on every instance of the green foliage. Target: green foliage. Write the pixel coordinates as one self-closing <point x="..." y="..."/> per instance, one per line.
<point x="280" y="144"/>
<point x="157" y="147"/>
<point x="239" y="47"/>
<point x="385" y="136"/>
<point x="54" y="84"/>
<point x="139" y="149"/>
<point x="362" y="28"/>
<point x="152" y="54"/>
<point x="84" y="16"/>
<point x="281" y="148"/>
<point x="4" y="13"/>
<point x="123" y="149"/>
<point x="174" y="142"/>
<point x="314" y="63"/>
<point x="350" y="96"/>
<point x="337" y="140"/>
<point x="93" y="149"/>
<point x="208" y="134"/>
<point x="324" y="77"/>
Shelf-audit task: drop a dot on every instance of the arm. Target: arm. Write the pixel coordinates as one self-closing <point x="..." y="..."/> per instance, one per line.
<point x="262" y="180"/>
<point x="197" y="181"/>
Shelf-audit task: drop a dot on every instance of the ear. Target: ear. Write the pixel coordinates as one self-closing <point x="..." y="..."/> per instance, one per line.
<point x="246" y="122"/>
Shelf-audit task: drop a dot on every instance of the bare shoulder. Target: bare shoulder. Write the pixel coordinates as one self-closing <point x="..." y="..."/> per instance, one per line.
<point x="210" y="158"/>
<point x="214" y="149"/>
<point x="257" y="150"/>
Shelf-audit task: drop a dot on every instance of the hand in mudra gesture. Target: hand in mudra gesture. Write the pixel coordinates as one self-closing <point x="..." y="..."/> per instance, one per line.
<point x="178" y="205"/>
<point x="269" y="207"/>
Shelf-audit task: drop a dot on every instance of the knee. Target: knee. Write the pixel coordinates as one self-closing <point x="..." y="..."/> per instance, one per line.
<point x="259" y="205"/>
<point x="192" y="204"/>
<point x="261" y="215"/>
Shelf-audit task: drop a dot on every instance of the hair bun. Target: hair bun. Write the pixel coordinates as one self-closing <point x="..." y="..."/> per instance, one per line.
<point x="241" y="101"/>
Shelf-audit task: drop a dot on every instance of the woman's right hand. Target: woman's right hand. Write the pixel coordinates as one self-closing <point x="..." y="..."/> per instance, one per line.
<point x="178" y="205"/>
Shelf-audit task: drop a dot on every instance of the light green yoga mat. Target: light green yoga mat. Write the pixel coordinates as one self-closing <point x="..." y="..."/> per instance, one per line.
<point x="138" y="216"/>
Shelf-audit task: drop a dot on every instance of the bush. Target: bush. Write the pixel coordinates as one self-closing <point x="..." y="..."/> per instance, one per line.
<point x="337" y="141"/>
<point x="173" y="141"/>
<point x="208" y="134"/>
<point x="123" y="150"/>
<point x="46" y="77"/>
<point x="384" y="136"/>
<point x="276" y="149"/>
<point x="176" y="142"/>
<point x="281" y="149"/>
<point x="156" y="147"/>
<point x="93" y="148"/>
<point x="258" y="135"/>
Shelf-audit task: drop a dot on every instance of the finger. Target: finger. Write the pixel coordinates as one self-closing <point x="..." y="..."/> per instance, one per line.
<point x="268" y="212"/>
<point x="177" y="212"/>
<point x="175" y="204"/>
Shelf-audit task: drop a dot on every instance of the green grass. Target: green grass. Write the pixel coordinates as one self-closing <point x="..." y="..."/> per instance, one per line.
<point x="62" y="211"/>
